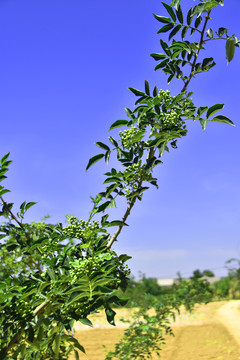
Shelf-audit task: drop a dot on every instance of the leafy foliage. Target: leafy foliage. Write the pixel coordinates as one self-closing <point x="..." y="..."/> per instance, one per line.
<point x="57" y="275"/>
<point x="150" y="324"/>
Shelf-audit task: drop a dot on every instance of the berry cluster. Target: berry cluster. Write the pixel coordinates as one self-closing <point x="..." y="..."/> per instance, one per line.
<point x="130" y="136"/>
<point x="80" y="229"/>
<point x="135" y="172"/>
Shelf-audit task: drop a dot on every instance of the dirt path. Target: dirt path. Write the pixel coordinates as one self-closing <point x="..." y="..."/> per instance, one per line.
<point x="229" y="315"/>
<point x="212" y="332"/>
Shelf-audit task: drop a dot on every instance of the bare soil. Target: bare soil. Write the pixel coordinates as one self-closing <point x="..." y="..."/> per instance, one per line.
<point x="211" y="332"/>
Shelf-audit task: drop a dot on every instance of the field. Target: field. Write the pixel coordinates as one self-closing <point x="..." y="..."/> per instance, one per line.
<point x="211" y="332"/>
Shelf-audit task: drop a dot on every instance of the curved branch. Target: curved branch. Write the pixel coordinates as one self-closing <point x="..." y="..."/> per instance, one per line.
<point x="207" y="17"/>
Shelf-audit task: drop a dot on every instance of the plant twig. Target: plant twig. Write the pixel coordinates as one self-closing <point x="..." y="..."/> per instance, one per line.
<point x="207" y="17"/>
<point x="17" y="336"/>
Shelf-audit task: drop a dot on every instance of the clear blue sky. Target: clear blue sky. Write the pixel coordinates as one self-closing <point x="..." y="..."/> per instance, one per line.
<point x="65" y="67"/>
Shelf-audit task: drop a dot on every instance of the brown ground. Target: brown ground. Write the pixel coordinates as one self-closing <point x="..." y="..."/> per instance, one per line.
<point x="212" y="332"/>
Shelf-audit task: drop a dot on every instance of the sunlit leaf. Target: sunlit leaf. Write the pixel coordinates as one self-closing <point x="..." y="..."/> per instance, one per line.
<point x="113" y="141"/>
<point x="165" y="48"/>
<point x="201" y="110"/>
<point x="174" y="31"/>
<point x="162" y="19"/>
<point x="158" y="56"/>
<point x="102" y="145"/>
<point x="213" y="109"/>
<point x="118" y="123"/>
<point x="230" y="49"/>
<point x="30" y="204"/>
<point x="94" y="159"/>
<point x="155" y="91"/>
<point x="203" y="123"/>
<point x="86" y="321"/>
<point x="184" y="31"/>
<point x="175" y="3"/>
<point x="222" y="31"/>
<point x="136" y="92"/>
<point x="210" y="33"/>
<point x="161" y="65"/>
<point x="103" y="206"/>
<point x="223" y="119"/>
<point x="147" y="88"/>
<point x="190" y="16"/>
<point x="170" y="11"/>
<point x="179" y="12"/>
<point x="116" y="223"/>
<point x="110" y="315"/>
<point x="165" y="28"/>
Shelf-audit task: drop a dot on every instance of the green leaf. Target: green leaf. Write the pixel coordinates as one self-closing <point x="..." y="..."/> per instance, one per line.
<point x="11" y="247"/>
<point x="112" y="179"/>
<point x="155" y="91"/>
<point x="51" y="274"/>
<point x="116" y="223"/>
<point x="129" y="113"/>
<point x="76" y="354"/>
<point x="75" y="342"/>
<point x="136" y="92"/>
<point x="102" y="145"/>
<point x="223" y="119"/>
<point x="118" y="123"/>
<point x="162" y="19"/>
<point x="179" y="45"/>
<point x="30" y="204"/>
<point x="222" y="31"/>
<point x="4" y="191"/>
<point x="147" y="88"/>
<point x="165" y="48"/>
<point x="103" y="206"/>
<point x="201" y="110"/>
<point x="107" y="156"/>
<point x="22" y="206"/>
<point x="77" y="295"/>
<point x="161" y="65"/>
<point x="85" y="321"/>
<point x="230" y="49"/>
<point x="165" y="28"/>
<point x="158" y="56"/>
<point x="210" y="33"/>
<point x="93" y="160"/>
<point x="4" y="158"/>
<point x="170" y="78"/>
<point x="113" y="141"/>
<point x="179" y="13"/>
<point x="170" y="11"/>
<point x="56" y="344"/>
<point x="203" y="122"/>
<point x="184" y="31"/>
<point x="198" y="9"/>
<point x="110" y="315"/>
<point x="176" y="3"/>
<point x="124" y="257"/>
<point x="190" y="16"/>
<point x="213" y="109"/>
<point x="174" y="31"/>
<point x="198" y="21"/>
<point x="206" y="61"/>
<point x="23" y="350"/>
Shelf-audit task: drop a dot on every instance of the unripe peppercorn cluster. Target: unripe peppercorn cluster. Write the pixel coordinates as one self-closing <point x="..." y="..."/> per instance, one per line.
<point x="80" y="229"/>
<point x="97" y="263"/>
<point x="172" y="118"/>
<point x="130" y="136"/>
<point x="135" y="172"/>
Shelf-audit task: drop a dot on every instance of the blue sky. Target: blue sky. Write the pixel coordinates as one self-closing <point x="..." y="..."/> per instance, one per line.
<point x="65" y="68"/>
